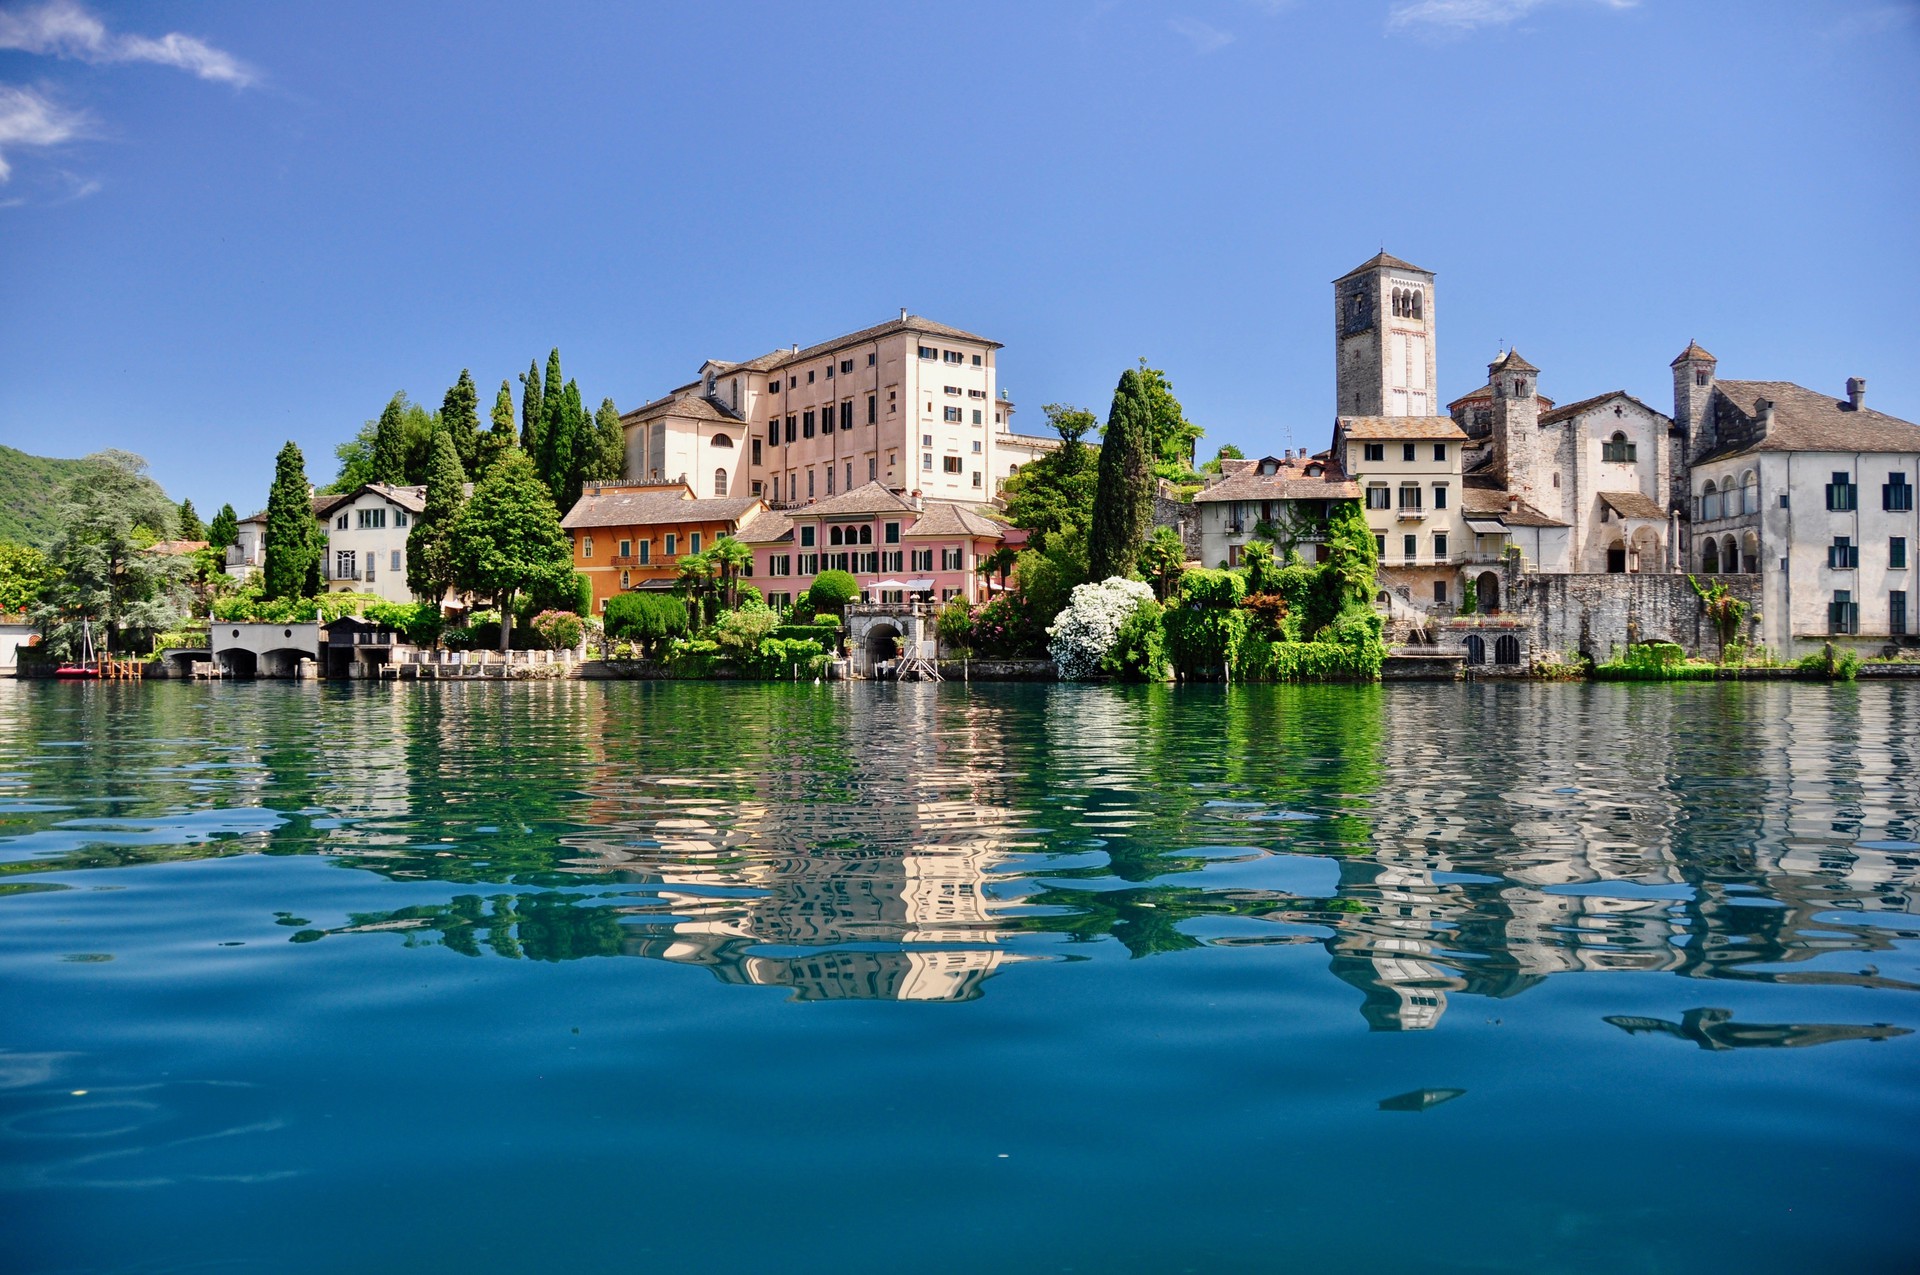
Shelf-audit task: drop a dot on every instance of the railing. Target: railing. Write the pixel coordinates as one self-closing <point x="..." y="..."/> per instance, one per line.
<point x="1414" y="514"/>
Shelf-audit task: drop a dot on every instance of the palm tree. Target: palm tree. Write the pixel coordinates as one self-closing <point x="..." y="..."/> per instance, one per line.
<point x="1000" y="563"/>
<point x="696" y="582"/>
<point x="730" y="559"/>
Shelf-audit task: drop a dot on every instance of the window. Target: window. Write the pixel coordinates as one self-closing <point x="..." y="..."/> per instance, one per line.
<point x="626" y="549"/>
<point x="720" y="482"/>
<point x="873" y="409"/>
<point x="780" y="564"/>
<point x="806" y="424"/>
<point x="806" y="537"/>
<point x="1618" y="448"/>
<point x="1842" y="495"/>
<point x="950" y="559"/>
<point x="950" y="415"/>
<point x="399" y="517"/>
<point x="829" y="480"/>
<point x="1843" y="554"/>
<point x="871" y="358"/>
<point x="976" y="360"/>
<point x="346" y="565"/>
<point x="826" y="420"/>
<point x="810" y="375"/>
<point x="1409" y="547"/>
<point x="792" y="381"/>
<point x="773" y="433"/>
<point x="976" y="479"/>
<point x="673" y="543"/>
<point x="693" y="543"/>
<point x="928" y="352"/>
<point x="1897" y="613"/>
<point x="1378" y="497"/>
<point x="926" y="460"/>
<point x="954" y="356"/>
<point x="373" y="558"/>
<point x="846" y="415"/>
<point x="1700" y="378"/>
<point x="953" y="390"/>
<point x="922" y="559"/>
<point x="1440" y="548"/>
<point x="1380" y="545"/>
<point x="1376" y="451"/>
<point x="977" y="418"/>
<point x="976" y="393"/>
<point x="950" y="464"/>
<point x="646" y="552"/>
<point x="341" y="522"/>
<point x="626" y="579"/>
<point x="1409" y="496"/>
<point x="809" y="564"/>
<point x="976" y="442"/>
<point x="866" y="536"/>
<point x="809" y="484"/>
<point x="926" y="440"/>
<point x="721" y="440"/>
<point x="1897" y="553"/>
<point x="1896" y="496"/>
<point x="370" y="519"/>
<point x="1440" y="592"/>
<point x="792" y="428"/>
<point x="586" y="546"/>
<point x="1440" y="452"/>
<point x="873" y="465"/>
<point x="893" y="533"/>
<point x="1439" y="495"/>
<point x="1843" y="613"/>
<point x="846" y="365"/>
<point x="773" y="387"/>
<point x="1406" y="451"/>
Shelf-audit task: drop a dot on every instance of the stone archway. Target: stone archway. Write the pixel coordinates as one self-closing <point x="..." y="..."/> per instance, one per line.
<point x="881" y="643"/>
<point x="1486" y="592"/>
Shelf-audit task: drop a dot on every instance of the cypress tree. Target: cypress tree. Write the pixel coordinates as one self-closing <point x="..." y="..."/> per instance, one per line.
<point x="497" y="441"/>
<point x="460" y="416"/>
<point x="572" y="448"/>
<point x="294" y="543"/>
<point x="430" y="542"/>
<point x="550" y="457"/>
<point x="191" y="528"/>
<point x="225" y="528"/>
<point x="609" y="445"/>
<point x="390" y="443"/>
<point x="1123" y="495"/>
<point x="530" y="402"/>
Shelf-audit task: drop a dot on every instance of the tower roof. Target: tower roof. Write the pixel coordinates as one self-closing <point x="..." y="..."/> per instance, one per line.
<point x="1691" y="353"/>
<point x="1383" y="262"/>
<point x="1511" y="361"/>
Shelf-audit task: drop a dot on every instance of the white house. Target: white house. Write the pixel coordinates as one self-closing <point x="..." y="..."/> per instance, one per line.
<point x="1814" y="493"/>
<point x="367" y="540"/>
<point x="1281" y="499"/>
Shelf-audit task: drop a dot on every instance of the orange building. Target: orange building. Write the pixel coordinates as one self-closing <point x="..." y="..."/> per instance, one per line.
<point x="630" y="536"/>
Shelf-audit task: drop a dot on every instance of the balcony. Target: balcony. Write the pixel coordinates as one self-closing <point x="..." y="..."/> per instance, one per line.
<point x="1410" y="514"/>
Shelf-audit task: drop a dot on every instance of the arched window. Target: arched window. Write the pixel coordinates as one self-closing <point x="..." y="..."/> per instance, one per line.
<point x="833" y="536"/>
<point x="1710" y="556"/>
<point x="1729" y="555"/>
<point x="1750" y="493"/>
<point x="1618" y="448"/>
<point x="866" y="535"/>
<point x="1476" y="649"/>
<point x="1396" y="303"/>
<point x="721" y="440"/>
<point x="720" y="481"/>
<point x="1506" y="650"/>
<point x="1709" y="502"/>
<point x="1418" y="303"/>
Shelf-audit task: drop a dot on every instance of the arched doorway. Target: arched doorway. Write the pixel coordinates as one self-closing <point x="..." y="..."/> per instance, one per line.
<point x="1750" y="552"/>
<point x="1710" y="556"/>
<point x="1486" y="592"/>
<point x="1476" y="649"/>
<point x="1647" y="554"/>
<point x="1506" y="650"/>
<point x="882" y="644"/>
<point x="1617" y="558"/>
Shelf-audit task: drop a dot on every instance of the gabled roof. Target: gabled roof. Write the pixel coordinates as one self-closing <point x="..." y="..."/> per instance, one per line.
<point x="1633" y="504"/>
<point x="324" y="503"/>
<point x="1289" y="481"/>
<point x="869" y="498"/>
<point x="1375" y="428"/>
<point x="1486" y="392"/>
<point x="654" y="505"/>
<point x="1572" y="410"/>
<point x="687" y="401"/>
<point x="1693" y="351"/>
<point x="1807" y="421"/>
<point x="1492" y="502"/>
<point x="413" y="499"/>
<point x="770" y="528"/>
<point x="910" y="323"/>
<point x="944" y="519"/>
<point x="1512" y="361"/>
<point x="1382" y="261"/>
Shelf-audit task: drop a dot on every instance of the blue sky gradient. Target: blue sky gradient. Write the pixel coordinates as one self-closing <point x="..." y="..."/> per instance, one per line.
<point x="262" y="228"/>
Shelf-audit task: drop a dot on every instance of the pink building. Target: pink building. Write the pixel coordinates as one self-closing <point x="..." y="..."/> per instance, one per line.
<point x="898" y="548"/>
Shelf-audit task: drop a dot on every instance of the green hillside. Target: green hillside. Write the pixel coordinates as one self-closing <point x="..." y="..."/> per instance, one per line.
<point x="26" y="491"/>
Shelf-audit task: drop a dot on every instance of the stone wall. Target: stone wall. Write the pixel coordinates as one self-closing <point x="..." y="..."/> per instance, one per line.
<point x="1182" y="515"/>
<point x="1601" y="614"/>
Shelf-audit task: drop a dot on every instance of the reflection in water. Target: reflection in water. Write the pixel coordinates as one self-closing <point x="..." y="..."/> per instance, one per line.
<point x="1715" y="1029"/>
<point x="908" y="843"/>
<point x="1419" y="1099"/>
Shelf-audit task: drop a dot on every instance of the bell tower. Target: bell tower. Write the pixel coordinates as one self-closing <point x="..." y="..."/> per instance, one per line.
<point x="1384" y="340"/>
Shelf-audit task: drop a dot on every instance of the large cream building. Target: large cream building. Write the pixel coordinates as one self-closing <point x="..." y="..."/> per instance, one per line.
<point x="909" y="403"/>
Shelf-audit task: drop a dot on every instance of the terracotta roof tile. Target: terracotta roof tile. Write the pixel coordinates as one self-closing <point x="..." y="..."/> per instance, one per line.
<point x="1289" y="481"/>
<point x="868" y="498"/>
<point x="656" y="505"/>
<point x="1633" y="504"/>
<point x="944" y="519"/>
<point x="1375" y="428"/>
<point x="1379" y="261"/>
<point x="1693" y="351"/>
<point x="1572" y="410"/>
<point x="1806" y="421"/>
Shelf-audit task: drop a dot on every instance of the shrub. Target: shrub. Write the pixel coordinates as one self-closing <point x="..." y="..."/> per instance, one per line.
<point x="955" y="625"/>
<point x="740" y="632"/>
<point x="832" y="590"/>
<point x="459" y="638"/>
<point x="776" y="658"/>
<point x="1009" y="627"/>
<point x="1083" y="632"/>
<point x="1139" y="650"/>
<point x="1266" y="614"/>
<point x="647" y="619"/>
<point x="419" y="622"/>
<point x="561" y="630"/>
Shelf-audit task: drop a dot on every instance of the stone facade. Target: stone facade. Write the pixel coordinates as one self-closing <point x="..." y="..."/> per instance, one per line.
<point x="1599" y="615"/>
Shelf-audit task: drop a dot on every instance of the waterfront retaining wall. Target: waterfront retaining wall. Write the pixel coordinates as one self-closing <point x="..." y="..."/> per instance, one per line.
<point x="1600" y="615"/>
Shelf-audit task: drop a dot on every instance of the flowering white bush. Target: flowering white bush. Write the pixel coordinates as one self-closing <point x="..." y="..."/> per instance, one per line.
<point x="1083" y="632"/>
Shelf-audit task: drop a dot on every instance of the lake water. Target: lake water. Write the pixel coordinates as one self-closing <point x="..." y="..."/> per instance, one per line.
<point x="682" y="976"/>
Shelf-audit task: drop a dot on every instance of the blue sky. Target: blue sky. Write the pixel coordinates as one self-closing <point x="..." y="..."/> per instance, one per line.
<point x="226" y="225"/>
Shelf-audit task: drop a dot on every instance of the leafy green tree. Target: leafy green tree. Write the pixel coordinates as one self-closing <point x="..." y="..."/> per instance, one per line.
<point x="531" y="416"/>
<point x="1171" y="437"/>
<point x="1055" y="492"/>
<point x="650" y="619"/>
<point x="731" y="559"/>
<point x="1046" y="577"/>
<point x="294" y="538"/>
<point x="390" y="443"/>
<point x="1000" y="563"/>
<point x="103" y="570"/>
<point x="1227" y="452"/>
<point x="1162" y="560"/>
<point x="224" y="531"/>
<point x="831" y="591"/>
<point x="24" y="572"/>
<point x="609" y="462"/>
<point x="191" y="528"/>
<point x="460" y="417"/>
<point x="507" y="540"/>
<point x="1123" y="497"/>
<point x="430" y="570"/>
<point x="572" y="445"/>
<point x="499" y="440"/>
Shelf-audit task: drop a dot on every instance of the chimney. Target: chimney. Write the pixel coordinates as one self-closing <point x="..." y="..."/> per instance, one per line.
<point x="1513" y="504"/>
<point x="1856" y="392"/>
<point x="903" y="314"/>
<point x="1765" y="409"/>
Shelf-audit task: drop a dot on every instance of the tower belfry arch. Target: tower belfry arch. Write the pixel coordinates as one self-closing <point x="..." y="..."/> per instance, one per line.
<point x="1384" y="340"/>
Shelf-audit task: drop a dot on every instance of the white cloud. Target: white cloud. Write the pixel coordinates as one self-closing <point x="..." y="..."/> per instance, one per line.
<point x="28" y="118"/>
<point x="63" y="29"/>
<point x="1877" y="20"/>
<point x="1467" y="15"/>
<point x="1204" y="38"/>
